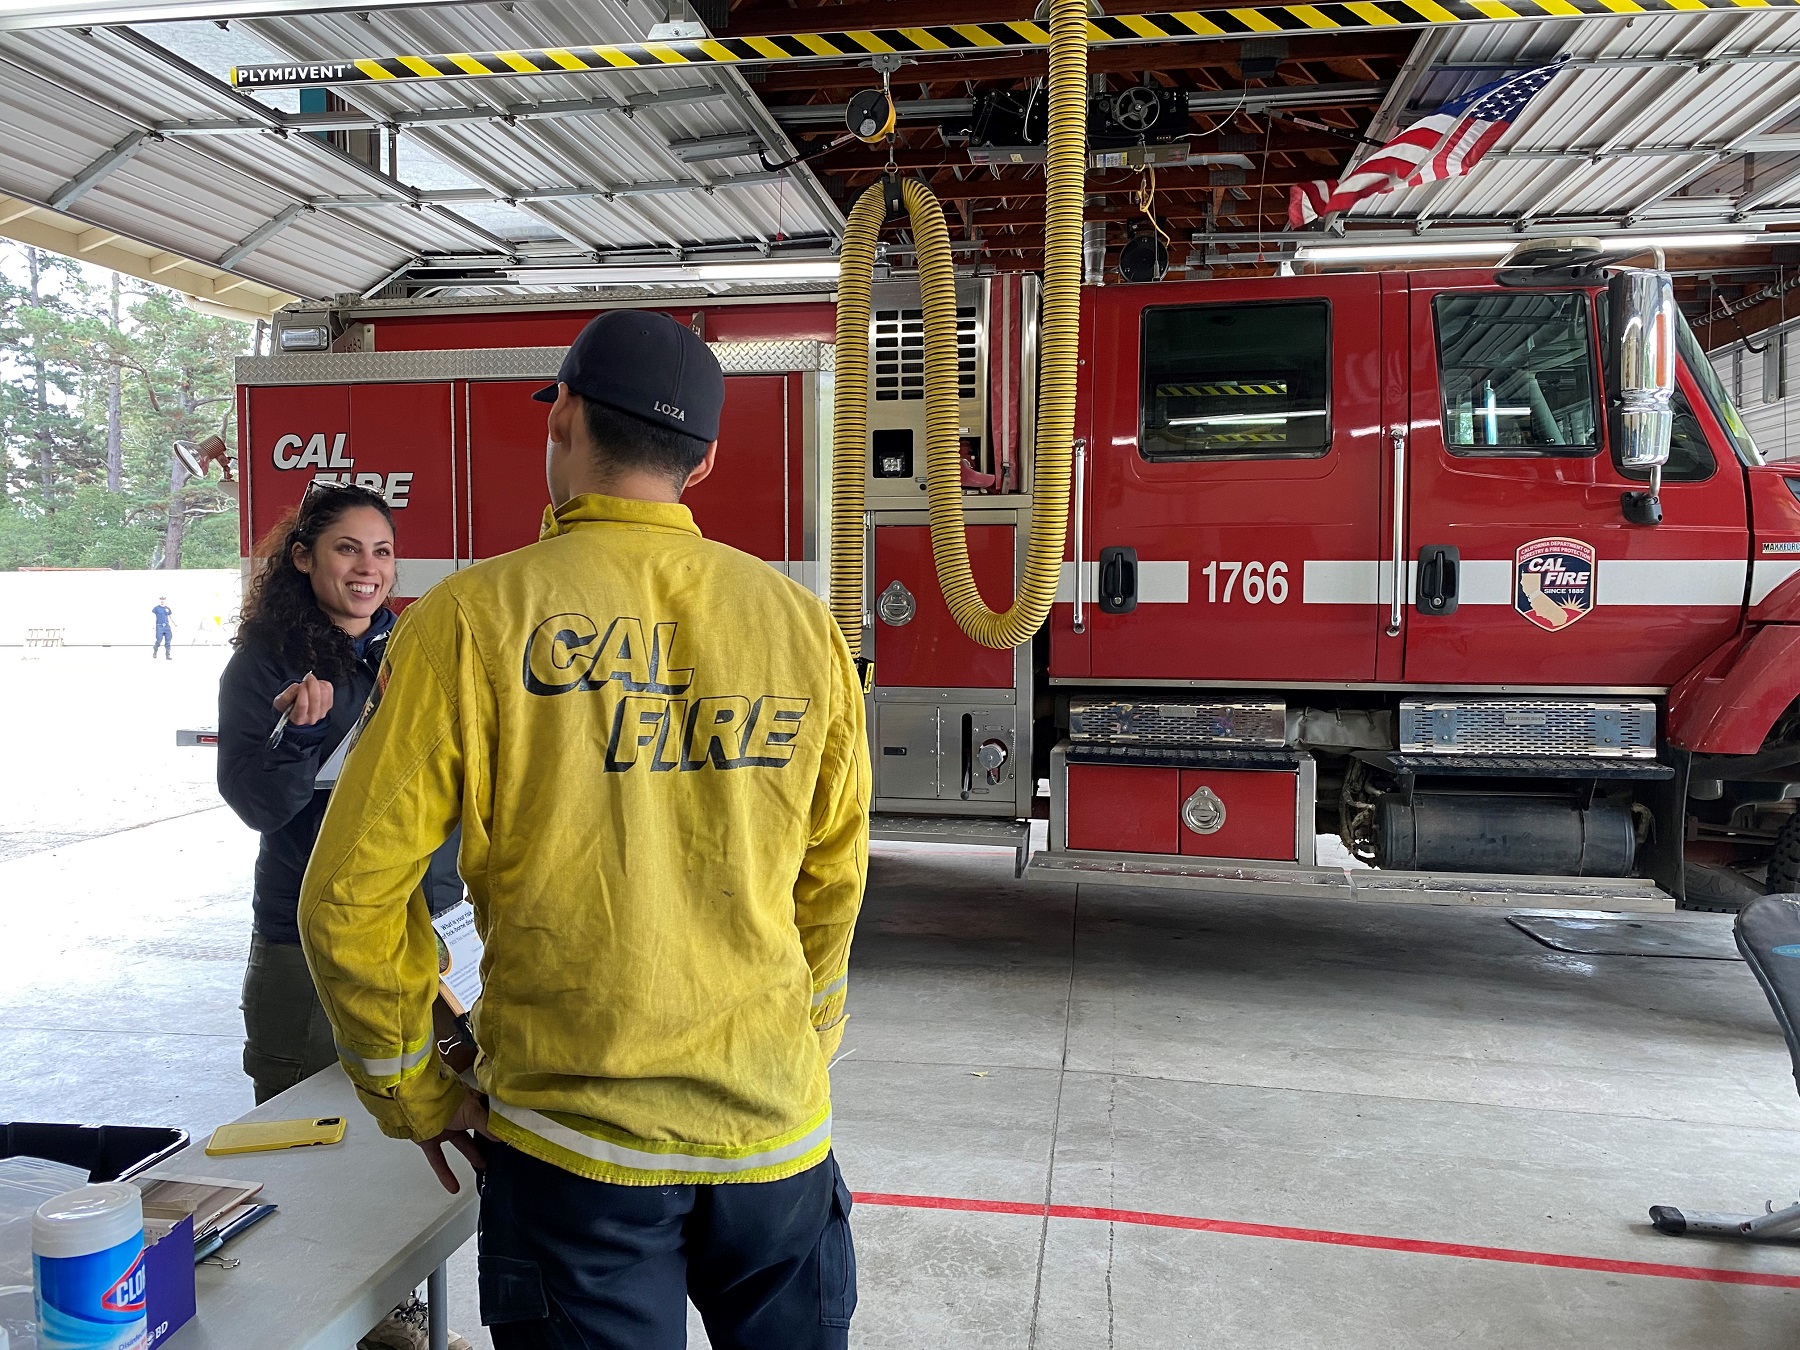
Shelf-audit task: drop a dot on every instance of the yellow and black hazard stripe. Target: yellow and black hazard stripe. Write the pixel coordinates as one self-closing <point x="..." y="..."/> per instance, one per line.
<point x="962" y="38"/>
<point x="1226" y="389"/>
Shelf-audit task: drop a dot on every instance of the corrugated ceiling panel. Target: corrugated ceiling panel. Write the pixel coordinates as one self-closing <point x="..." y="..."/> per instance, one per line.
<point x="194" y="196"/>
<point x="201" y="196"/>
<point x="605" y="150"/>
<point x="1608" y="109"/>
<point x="50" y="138"/>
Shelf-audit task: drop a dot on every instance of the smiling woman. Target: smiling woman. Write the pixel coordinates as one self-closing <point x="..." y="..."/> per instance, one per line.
<point x="291" y="704"/>
<point x="314" y="630"/>
<point x="326" y="569"/>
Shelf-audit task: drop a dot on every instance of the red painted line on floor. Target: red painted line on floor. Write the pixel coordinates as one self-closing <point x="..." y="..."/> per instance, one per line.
<point x="1328" y="1238"/>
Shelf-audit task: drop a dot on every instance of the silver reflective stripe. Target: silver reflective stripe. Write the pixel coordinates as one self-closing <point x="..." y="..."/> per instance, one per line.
<point x="602" y="1150"/>
<point x="387" y="1067"/>
<point x="831" y="989"/>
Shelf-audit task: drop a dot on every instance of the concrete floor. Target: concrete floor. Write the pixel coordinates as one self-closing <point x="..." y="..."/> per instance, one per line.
<point x="1399" y="1071"/>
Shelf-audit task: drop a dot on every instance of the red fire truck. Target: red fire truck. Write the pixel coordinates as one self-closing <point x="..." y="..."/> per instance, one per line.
<point x="1351" y="554"/>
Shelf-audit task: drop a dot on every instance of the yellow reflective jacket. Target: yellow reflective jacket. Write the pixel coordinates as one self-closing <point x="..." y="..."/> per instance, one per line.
<point x="655" y="747"/>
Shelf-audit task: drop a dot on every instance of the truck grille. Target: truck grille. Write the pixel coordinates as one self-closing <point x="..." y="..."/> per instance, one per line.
<point x="900" y="354"/>
<point x="1110" y="721"/>
<point x="1618" y="728"/>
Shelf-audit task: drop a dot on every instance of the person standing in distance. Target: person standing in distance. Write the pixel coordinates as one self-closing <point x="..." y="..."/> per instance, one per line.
<point x="655" y="747"/>
<point x="165" y="632"/>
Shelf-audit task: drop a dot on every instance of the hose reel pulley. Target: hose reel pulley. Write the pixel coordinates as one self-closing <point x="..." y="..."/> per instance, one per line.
<point x="870" y="115"/>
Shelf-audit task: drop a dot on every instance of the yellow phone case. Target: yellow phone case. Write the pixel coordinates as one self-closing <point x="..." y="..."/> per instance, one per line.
<point x="275" y="1134"/>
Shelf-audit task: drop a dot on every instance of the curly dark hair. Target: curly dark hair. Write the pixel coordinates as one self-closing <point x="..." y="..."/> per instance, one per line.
<point x="280" y="611"/>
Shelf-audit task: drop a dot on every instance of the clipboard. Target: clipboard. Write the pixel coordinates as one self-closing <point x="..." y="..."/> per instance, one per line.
<point x="459" y="986"/>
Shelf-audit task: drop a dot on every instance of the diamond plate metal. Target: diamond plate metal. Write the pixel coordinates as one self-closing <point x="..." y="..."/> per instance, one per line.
<point x="501" y="363"/>
<point x="1248" y="722"/>
<point x="499" y="300"/>
<point x="1611" y="728"/>
<point x="770" y="358"/>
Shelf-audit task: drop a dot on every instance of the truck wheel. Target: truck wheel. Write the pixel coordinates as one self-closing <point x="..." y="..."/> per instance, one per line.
<point x="1784" y="862"/>
<point x="1720" y="890"/>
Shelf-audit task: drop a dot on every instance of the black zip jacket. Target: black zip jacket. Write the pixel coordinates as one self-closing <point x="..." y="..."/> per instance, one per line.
<point x="273" y="791"/>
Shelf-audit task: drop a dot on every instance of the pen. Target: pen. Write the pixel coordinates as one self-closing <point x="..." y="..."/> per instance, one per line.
<point x="281" y="725"/>
<point x="208" y="1243"/>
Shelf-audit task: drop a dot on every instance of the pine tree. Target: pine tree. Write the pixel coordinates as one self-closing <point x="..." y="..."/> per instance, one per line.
<point x="97" y="382"/>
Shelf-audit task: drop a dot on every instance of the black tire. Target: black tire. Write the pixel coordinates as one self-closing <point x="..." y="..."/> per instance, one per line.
<point x="1717" y="890"/>
<point x="1784" y="862"/>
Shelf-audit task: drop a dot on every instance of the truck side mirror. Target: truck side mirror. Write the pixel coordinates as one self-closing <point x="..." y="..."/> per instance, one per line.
<point x="1641" y="323"/>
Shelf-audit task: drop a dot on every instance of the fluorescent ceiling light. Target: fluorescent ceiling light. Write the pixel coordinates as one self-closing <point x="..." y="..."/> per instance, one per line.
<point x="677" y="274"/>
<point x="1718" y="239"/>
<point x="823" y="269"/>
<point x="1426" y="249"/>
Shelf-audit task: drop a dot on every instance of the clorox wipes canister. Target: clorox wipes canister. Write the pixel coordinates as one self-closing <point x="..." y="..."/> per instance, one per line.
<point x="87" y="1255"/>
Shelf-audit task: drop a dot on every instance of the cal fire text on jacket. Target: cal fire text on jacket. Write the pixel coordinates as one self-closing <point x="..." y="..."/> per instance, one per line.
<point x="655" y="722"/>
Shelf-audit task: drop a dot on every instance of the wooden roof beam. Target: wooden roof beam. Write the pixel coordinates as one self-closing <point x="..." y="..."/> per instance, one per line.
<point x="780" y="18"/>
<point x="1167" y="180"/>
<point x="1208" y="55"/>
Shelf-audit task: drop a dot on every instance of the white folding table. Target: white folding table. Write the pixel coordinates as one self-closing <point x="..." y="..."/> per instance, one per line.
<point x="360" y="1224"/>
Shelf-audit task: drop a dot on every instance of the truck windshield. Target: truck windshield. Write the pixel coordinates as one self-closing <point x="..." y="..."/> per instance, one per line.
<point x="1713" y="388"/>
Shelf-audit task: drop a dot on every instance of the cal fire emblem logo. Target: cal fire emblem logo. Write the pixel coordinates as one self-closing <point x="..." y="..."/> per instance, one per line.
<point x="1553" y="581"/>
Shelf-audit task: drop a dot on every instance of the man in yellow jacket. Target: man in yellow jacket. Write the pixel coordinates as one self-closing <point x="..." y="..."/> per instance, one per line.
<point x="655" y="748"/>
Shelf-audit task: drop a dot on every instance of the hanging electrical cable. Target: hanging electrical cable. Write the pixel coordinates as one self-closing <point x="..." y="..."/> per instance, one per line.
<point x="1065" y="167"/>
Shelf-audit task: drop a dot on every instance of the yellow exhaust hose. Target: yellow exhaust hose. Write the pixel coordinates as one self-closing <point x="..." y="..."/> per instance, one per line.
<point x="1057" y="347"/>
<point x="850" y="413"/>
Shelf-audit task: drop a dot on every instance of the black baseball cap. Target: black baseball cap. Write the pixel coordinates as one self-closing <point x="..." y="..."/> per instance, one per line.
<point x="644" y="363"/>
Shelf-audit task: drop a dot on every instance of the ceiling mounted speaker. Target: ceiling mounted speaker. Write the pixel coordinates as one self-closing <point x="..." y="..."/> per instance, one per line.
<point x="1145" y="258"/>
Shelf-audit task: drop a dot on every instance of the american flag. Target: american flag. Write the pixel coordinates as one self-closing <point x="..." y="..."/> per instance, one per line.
<point x="1446" y="144"/>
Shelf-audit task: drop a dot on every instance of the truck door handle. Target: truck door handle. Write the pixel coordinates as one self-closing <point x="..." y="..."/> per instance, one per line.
<point x="1440" y="567"/>
<point x="1118" y="580"/>
<point x="1397" y="601"/>
<point x="1077" y="619"/>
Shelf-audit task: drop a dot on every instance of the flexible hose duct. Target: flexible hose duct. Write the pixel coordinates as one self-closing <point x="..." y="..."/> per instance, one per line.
<point x="850" y="413"/>
<point x="1066" y="164"/>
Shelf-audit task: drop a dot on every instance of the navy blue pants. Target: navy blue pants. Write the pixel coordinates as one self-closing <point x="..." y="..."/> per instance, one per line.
<point x="573" y="1264"/>
<point x="164" y="637"/>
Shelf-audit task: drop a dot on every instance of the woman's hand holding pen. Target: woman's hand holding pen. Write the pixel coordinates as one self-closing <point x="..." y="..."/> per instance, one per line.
<point x="303" y="703"/>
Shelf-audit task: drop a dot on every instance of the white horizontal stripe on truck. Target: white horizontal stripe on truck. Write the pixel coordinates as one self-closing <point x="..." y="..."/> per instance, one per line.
<point x="414" y="576"/>
<point x="814" y="576"/>
<point x="1767" y="575"/>
<point x="1159" y="583"/>
<point x="1622" y="582"/>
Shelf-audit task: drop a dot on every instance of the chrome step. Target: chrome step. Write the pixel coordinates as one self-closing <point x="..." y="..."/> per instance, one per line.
<point x="1610" y="894"/>
<point x="980" y="831"/>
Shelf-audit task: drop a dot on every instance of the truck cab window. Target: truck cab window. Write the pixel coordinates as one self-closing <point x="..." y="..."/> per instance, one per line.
<point x="1712" y="389"/>
<point x="1690" y="457"/>
<point x="1236" y="381"/>
<point x="1517" y="373"/>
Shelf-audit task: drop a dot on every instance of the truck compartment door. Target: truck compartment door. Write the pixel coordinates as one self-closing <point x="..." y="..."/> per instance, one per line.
<point x="753" y="499"/>
<point x="1510" y="475"/>
<point x="395" y="439"/>
<point x="1235" y="476"/>
<point x="756" y="499"/>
